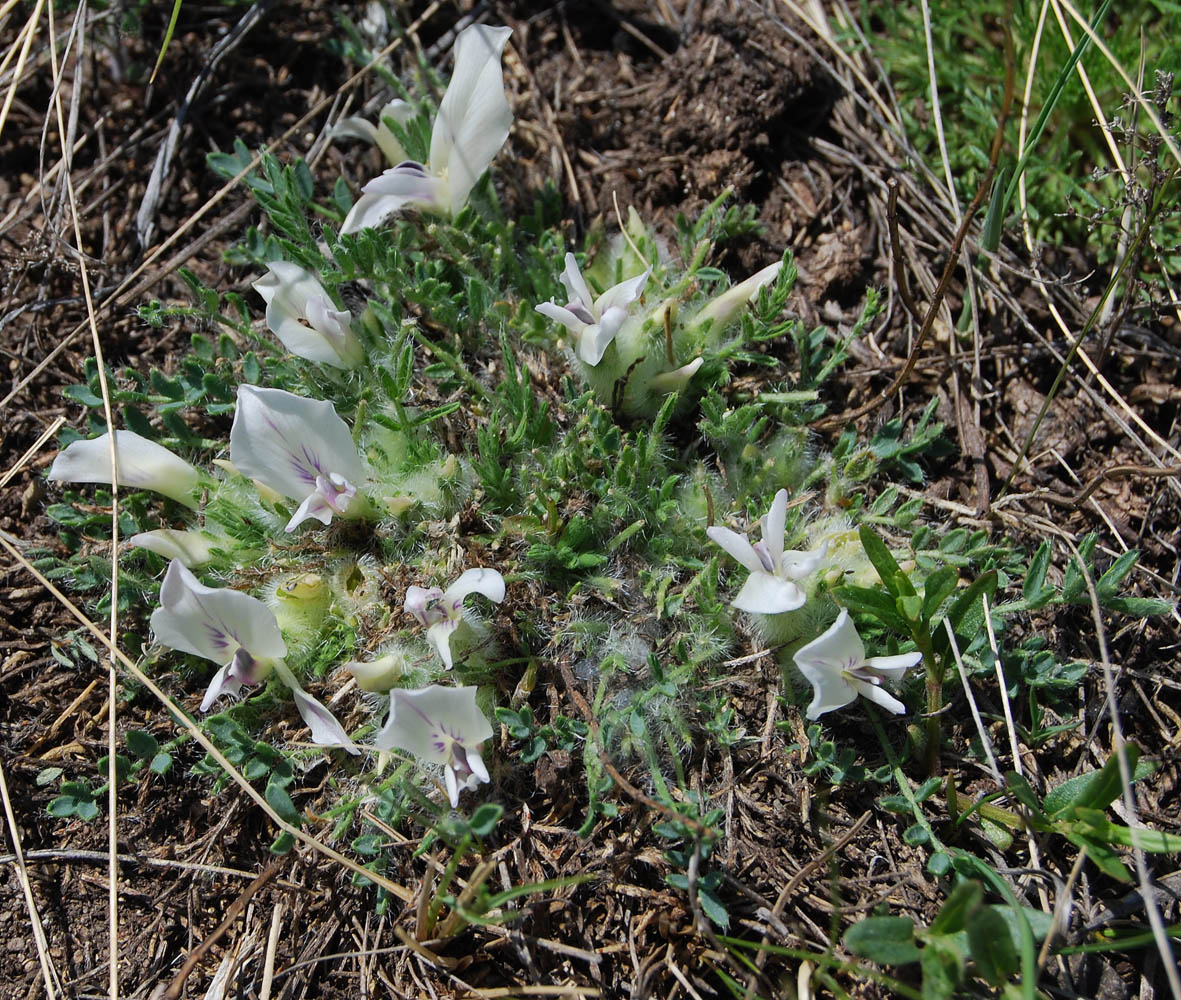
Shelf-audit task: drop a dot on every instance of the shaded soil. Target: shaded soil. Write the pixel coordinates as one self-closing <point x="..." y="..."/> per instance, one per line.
<point x="662" y="109"/>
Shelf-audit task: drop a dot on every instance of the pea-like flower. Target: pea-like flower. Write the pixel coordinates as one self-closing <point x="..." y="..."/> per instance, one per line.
<point x="473" y="123"/>
<point x="836" y="666"/>
<point x="240" y="633"/>
<point x="441" y="726"/>
<point x="595" y="322"/>
<point x="141" y="464"/>
<point x="305" y="319"/>
<point x="441" y="611"/>
<point x="299" y="448"/>
<point x="773" y="585"/>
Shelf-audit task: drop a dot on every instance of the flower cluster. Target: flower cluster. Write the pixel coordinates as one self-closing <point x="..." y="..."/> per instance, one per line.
<point x="298" y="461"/>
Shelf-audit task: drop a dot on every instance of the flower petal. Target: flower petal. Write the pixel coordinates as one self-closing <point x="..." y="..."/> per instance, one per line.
<point x="475" y="763"/>
<point x="191" y="548"/>
<point x="422" y="603"/>
<point x="474" y="115"/>
<point x="213" y="622"/>
<point x="561" y="315"/>
<point x="878" y="695"/>
<point x="764" y="594"/>
<point x="796" y="565"/>
<point x="721" y="311"/>
<point x="439" y="636"/>
<point x="475" y="581"/>
<point x="242" y="671"/>
<point x="773" y="522"/>
<point x="142" y="464"/>
<point x="893" y="667"/>
<point x="326" y="731"/>
<point x="838" y="648"/>
<point x="622" y="295"/>
<point x="737" y="546"/>
<point x="576" y="287"/>
<point x="370" y="212"/>
<point x="829" y="692"/>
<point x="285" y="441"/>
<point x="677" y="380"/>
<point x="430" y="721"/>
<point x="452" y="780"/>
<point x="313" y="508"/>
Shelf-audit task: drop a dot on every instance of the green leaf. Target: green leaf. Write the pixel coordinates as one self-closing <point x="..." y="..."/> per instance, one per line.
<point x="875" y="603"/>
<point x="966" y="613"/>
<point x="161" y="763"/>
<point x="1034" y="588"/>
<point x="143" y="745"/>
<point x="964" y="900"/>
<point x="1093" y="790"/>
<point x="943" y="968"/>
<point x="1103" y="857"/>
<point x="883" y="561"/>
<point x="937" y="588"/>
<point x="713" y="908"/>
<point x="885" y="940"/>
<point x="62" y="806"/>
<point x="280" y="801"/>
<point x="485" y="818"/>
<point x="991" y="946"/>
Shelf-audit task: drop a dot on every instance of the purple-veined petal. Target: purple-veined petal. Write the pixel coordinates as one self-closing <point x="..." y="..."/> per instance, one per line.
<point x="313" y="508"/>
<point x="562" y="315"/>
<point x="475" y="581"/>
<point x="439" y="636"/>
<point x="878" y="695"/>
<point x="285" y="441"/>
<point x="142" y="465"/>
<point x="474" y="115"/>
<point x="242" y="671"/>
<point x="425" y="604"/>
<point x="326" y="731"/>
<point x="576" y="287"/>
<point x="737" y="546"/>
<point x="431" y="721"/>
<point x="622" y="295"/>
<point x="190" y="548"/>
<point x="764" y="594"/>
<point x="773" y="522"/>
<point x="213" y="622"/>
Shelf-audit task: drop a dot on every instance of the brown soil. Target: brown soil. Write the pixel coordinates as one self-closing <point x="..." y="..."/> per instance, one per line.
<point x="662" y="108"/>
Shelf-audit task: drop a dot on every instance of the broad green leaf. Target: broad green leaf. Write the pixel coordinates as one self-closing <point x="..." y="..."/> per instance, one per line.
<point x="882" y="559"/>
<point x="280" y="801"/>
<point x="1093" y="790"/>
<point x="991" y="946"/>
<point x="964" y="899"/>
<point x="885" y="940"/>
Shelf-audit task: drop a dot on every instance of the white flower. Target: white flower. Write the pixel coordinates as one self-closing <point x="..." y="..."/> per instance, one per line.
<point x="240" y="633"/>
<point x="299" y="448"/>
<point x="441" y="726"/>
<point x="594" y="321"/>
<point x="442" y="610"/>
<point x="836" y="666"/>
<point x="675" y="381"/>
<point x="719" y="312"/>
<point x="191" y="548"/>
<point x="473" y="122"/>
<point x="304" y="318"/>
<point x="142" y="465"/>
<point x="358" y="128"/>
<point x="772" y="586"/>
<point x="378" y="676"/>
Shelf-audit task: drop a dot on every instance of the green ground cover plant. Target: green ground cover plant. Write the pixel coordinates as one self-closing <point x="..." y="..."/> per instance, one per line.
<point x="445" y="451"/>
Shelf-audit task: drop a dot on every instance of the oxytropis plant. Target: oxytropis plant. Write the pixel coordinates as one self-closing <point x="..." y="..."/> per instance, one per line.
<point x="391" y="440"/>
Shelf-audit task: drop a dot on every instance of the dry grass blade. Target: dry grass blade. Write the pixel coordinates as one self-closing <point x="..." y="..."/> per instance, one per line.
<point x="53" y="984"/>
